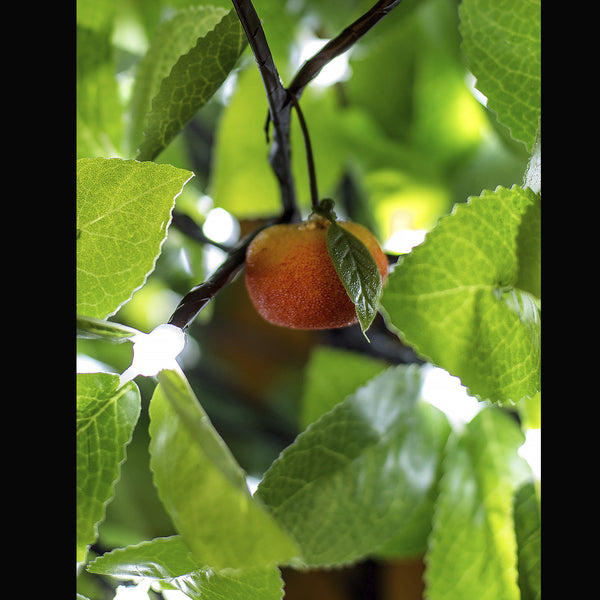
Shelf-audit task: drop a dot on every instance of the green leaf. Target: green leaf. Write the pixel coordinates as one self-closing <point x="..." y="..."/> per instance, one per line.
<point x="174" y="38"/>
<point x="106" y="418"/>
<point x="472" y="548"/>
<point x="502" y="42"/>
<point x="528" y="533"/>
<point x="204" y="489"/>
<point x="331" y="375"/>
<point x="160" y="558"/>
<point x="454" y="297"/>
<point x="529" y="249"/>
<point x="363" y="475"/>
<point x="99" y="128"/>
<point x="357" y="270"/>
<point x="123" y="211"/>
<point x="193" y="80"/>
<point x="169" y="560"/>
<point x="254" y="583"/>
<point x="241" y="180"/>
<point x="107" y="330"/>
<point x="95" y="14"/>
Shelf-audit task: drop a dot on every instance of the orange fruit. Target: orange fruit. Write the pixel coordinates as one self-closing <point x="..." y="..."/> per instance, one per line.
<point x="291" y="279"/>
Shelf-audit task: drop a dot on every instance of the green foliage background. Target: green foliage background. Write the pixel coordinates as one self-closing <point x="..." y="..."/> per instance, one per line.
<point x="352" y="464"/>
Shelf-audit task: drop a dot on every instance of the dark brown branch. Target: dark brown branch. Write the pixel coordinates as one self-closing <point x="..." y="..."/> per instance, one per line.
<point x="189" y="227"/>
<point x="279" y="109"/>
<point x="312" y="176"/>
<point x="198" y="297"/>
<point x="338" y="45"/>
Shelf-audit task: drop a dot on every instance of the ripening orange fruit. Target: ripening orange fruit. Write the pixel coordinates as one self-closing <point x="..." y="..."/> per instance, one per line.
<point x="291" y="279"/>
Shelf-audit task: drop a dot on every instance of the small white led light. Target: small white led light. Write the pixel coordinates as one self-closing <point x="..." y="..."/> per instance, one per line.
<point x="154" y="351"/>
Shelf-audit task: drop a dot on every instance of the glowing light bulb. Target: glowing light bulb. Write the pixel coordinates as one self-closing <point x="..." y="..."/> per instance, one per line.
<point x="154" y="351"/>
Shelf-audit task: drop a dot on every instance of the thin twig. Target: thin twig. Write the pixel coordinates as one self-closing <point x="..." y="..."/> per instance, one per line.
<point x="312" y="175"/>
<point x="279" y="109"/>
<point x="189" y="227"/>
<point x="338" y="45"/>
<point x="198" y="297"/>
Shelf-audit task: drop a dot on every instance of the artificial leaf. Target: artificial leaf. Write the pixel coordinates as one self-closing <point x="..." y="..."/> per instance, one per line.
<point x="331" y="375"/>
<point x="101" y="329"/>
<point x="99" y="128"/>
<point x="357" y="270"/>
<point x="192" y="81"/>
<point x="123" y="211"/>
<point x="530" y="412"/>
<point x="106" y="417"/>
<point x="160" y="558"/>
<point x="95" y="14"/>
<point x="363" y="475"/>
<point x="252" y="583"/>
<point x="169" y="561"/>
<point x="472" y="548"/>
<point x="528" y="534"/>
<point x="454" y="297"/>
<point x="242" y="181"/>
<point x="529" y="248"/>
<point x="204" y="489"/>
<point x="502" y="42"/>
<point x="174" y="38"/>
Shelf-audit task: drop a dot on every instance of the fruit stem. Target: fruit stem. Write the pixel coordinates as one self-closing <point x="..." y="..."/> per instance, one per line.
<point x="312" y="176"/>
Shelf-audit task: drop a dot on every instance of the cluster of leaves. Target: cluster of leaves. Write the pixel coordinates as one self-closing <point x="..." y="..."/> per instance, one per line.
<point x="374" y="470"/>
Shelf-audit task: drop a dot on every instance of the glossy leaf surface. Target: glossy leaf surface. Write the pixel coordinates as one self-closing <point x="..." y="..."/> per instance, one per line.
<point x="362" y="474"/>
<point x="204" y="489"/>
<point x="357" y="270"/>
<point x="170" y="563"/>
<point x="473" y="521"/>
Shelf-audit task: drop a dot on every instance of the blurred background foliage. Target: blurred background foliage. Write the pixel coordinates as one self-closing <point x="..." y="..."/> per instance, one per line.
<point x="399" y="136"/>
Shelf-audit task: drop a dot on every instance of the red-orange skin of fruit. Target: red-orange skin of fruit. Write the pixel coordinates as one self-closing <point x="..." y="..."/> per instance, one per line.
<point x="291" y="279"/>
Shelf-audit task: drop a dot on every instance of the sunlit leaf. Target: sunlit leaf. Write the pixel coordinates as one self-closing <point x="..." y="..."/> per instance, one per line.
<point x="242" y="181"/>
<point x="363" y="475"/>
<point x="123" y="211"/>
<point x="175" y="37"/>
<point x="99" y="127"/>
<point x="106" y="417"/>
<point x="253" y="583"/>
<point x="472" y="549"/>
<point x="170" y="562"/>
<point x="192" y="81"/>
<point x="502" y="42"/>
<point x="454" y="297"/>
<point x="160" y="558"/>
<point x="331" y="375"/>
<point x="527" y="516"/>
<point x="203" y="488"/>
